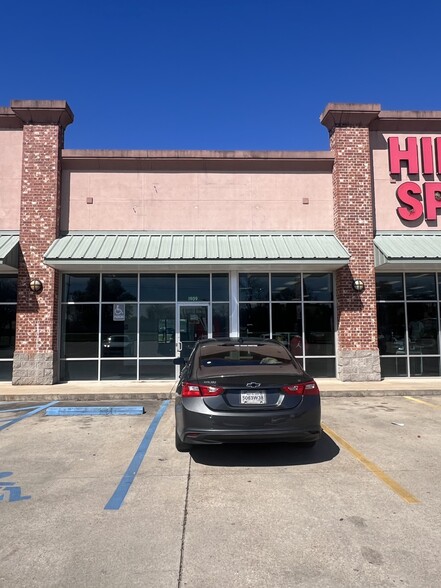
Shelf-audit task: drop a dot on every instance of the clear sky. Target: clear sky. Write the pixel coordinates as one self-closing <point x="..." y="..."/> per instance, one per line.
<point x="217" y="74"/>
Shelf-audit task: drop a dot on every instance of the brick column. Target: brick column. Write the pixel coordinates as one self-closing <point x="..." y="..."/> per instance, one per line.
<point x="36" y="350"/>
<point x="348" y="124"/>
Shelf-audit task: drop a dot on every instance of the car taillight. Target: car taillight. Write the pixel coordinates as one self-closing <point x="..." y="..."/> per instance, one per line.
<point x="306" y="389"/>
<point x="189" y="390"/>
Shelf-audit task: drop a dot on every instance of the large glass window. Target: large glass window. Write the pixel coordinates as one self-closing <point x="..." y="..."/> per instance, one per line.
<point x="408" y="317"/>
<point x="8" y="308"/>
<point x="194" y="288"/>
<point x="296" y="309"/>
<point x="109" y="331"/>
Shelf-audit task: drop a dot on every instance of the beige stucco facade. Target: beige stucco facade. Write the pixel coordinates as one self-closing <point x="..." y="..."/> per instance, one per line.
<point x="11" y="149"/>
<point x="196" y="200"/>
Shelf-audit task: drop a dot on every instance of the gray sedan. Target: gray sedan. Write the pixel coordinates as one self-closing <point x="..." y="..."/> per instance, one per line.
<point x="245" y="390"/>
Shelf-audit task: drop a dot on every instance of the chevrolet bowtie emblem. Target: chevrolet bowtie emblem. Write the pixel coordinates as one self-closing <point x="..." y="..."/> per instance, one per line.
<point x="253" y="385"/>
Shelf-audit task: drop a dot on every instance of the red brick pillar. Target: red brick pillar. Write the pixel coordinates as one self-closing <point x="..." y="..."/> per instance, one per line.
<point x="348" y="124"/>
<point x="36" y="350"/>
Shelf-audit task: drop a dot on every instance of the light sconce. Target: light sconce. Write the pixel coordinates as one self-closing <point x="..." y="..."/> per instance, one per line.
<point x="358" y="285"/>
<point x="36" y="286"/>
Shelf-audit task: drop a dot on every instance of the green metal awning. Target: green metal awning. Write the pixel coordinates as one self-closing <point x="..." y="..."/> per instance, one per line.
<point x="8" y="252"/>
<point x="137" y="251"/>
<point x="408" y="251"/>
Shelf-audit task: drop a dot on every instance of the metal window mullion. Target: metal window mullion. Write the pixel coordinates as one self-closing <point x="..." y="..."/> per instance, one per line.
<point x="100" y="306"/>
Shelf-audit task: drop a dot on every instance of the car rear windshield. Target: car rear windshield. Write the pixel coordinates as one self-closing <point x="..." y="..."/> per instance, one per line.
<point x="237" y="355"/>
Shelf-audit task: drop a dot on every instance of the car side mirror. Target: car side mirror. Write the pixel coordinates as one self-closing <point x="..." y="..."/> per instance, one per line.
<point x="179" y="361"/>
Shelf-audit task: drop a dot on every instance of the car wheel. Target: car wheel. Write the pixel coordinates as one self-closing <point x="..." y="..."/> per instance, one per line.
<point x="180" y="445"/>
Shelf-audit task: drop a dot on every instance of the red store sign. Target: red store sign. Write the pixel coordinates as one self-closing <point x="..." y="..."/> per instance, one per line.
<point x="419" y="199"/>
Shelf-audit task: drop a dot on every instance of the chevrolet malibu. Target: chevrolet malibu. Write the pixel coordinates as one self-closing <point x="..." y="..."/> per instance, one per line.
<point x="244" y="390"/>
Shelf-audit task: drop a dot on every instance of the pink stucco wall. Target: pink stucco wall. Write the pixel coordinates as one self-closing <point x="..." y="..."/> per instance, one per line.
<point x="11" y="148"/>
<point x="385" y="186"/>
<point x="197" y="201"/>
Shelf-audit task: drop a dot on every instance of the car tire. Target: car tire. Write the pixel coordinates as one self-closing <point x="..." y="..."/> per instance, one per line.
<point x="180" y="445"/>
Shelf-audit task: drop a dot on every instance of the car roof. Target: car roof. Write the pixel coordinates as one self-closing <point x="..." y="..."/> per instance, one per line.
<point x="239" y="341"/>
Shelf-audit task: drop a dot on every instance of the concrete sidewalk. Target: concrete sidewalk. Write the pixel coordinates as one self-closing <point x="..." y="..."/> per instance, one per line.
<point x="164" y="389"/>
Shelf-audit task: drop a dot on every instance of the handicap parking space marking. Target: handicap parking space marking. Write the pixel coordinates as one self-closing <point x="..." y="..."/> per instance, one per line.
<point x="123" y="487"/>
<point x="435" y="406"/>
<point x="372" y="467"/>
<point x="11" y="488"/>
<point x="36" y="410"/>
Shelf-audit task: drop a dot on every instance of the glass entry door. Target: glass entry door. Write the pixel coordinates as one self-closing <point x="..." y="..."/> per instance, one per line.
<point x="194" y="324"/>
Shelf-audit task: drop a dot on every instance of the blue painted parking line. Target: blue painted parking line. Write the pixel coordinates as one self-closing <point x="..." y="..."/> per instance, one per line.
<point x="20" y="409"/>
<point x="94" y="410"/>
<point x="123" y="487"/>
<point x="28" y="414"/>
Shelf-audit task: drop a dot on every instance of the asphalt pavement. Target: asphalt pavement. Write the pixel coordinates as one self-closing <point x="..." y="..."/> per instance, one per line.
<point x="164" y="389"/>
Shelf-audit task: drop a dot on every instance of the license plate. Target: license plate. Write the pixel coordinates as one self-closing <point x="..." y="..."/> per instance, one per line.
<point x="252" y="397"/>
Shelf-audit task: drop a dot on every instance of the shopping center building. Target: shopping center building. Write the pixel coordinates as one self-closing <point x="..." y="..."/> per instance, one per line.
<point x="112" y="263"/>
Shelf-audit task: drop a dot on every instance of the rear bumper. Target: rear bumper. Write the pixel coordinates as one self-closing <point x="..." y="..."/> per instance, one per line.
<point x="196" y="425"/>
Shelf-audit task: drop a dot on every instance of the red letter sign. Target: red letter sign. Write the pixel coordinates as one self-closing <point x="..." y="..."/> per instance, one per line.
<point x="396" y="155"/>
<point x="432" y="198"/>
<point x="408" y="194"/>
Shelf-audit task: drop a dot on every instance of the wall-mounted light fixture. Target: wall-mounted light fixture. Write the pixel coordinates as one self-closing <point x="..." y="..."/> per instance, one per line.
<point x="36" y="286"/>
<point x="358" y="285"/>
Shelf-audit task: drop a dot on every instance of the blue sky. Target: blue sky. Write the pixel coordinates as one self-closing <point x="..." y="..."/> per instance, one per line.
<point x="217" y="74"/>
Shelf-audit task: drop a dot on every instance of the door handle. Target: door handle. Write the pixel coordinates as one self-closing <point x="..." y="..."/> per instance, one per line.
<point x="179" y="346"/>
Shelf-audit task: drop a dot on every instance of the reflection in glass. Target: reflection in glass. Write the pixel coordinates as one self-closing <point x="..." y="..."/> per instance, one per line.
<point x="193" y="322"/>
<point x="120" y="287"/>
<point x="320" y="368"/>
<point x="287" y="326"/>
<point x="7" y="330"/>
<point x="79" y="330"/>
<point x="253" y="287"/>
<point x="8" y="288"/>
<point x="78" y="370"/>
<point x="118" y="336"/>
<point x="81" y="287"/>
<point x="221" y="320"/>
<point x="317" y="287"/>
<point x="193" y="287"/>
<point x="220" y="287"/>
<point x="393" y="367"/>
<point x="424" y="366"/>
<point x="118" y="369"/>
<point x="254" y="320"/>
<point x="420" y="286"/>
<point x="158" y="288"/>
<point x="319" y="329"/>
<point x="5" y="371"/>
<point x="154" y="369"/>
<point x="391" y="328"/>
<point x="389" y="286"/>
<point x="157" y="336"/>
<point x="286" y="287"/>
<point x="423" y="328"/>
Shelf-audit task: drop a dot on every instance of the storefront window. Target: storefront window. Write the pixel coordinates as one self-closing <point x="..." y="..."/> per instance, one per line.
<point x="8" y="308"/>
<point x="253" y="287"/>
<point x="317" y="287"/>
<point x="286" y="287"/>
<point x="79" y="324"/>
<point x="420" y="287"/>
<point x="120" y="288"/>
<point x="254" y="320"/>
<point x="221" y="319"/>
<point x="319" y="329"/>
<point x="157" y="288"/>
<point x="81" y="288"/>
<point x="157" y="330"/>
<point x="390" y="287"/>
<point x="220" y="287"/>
<point x="287" y="326"/>
<point x="408" y="331"/>
<point x="119" y="330"/>
<point x="194" y="288"/>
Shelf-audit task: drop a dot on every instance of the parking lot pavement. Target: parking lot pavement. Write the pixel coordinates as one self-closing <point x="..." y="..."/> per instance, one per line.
<point x="265" y="515"/>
